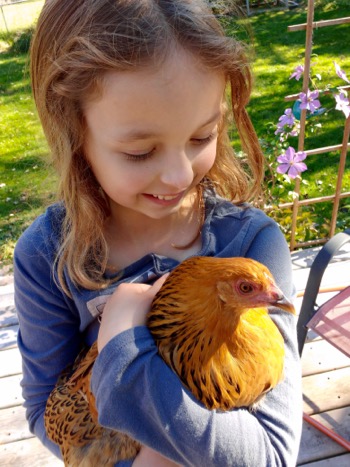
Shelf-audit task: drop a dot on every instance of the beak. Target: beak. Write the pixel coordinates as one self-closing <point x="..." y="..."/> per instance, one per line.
<point x="285" y="304"/>
<point x="279" y="300"/>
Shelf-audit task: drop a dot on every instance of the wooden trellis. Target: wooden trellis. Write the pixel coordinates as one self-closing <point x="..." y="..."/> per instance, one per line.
<point x="343" y="147"/>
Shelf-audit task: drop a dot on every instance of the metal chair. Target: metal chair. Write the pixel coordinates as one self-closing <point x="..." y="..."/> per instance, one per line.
<point x="330" y="320"/>
<point x="309" y="307"/>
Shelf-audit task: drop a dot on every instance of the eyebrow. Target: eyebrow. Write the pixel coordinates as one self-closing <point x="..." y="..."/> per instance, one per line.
<point x="135" y="135"/>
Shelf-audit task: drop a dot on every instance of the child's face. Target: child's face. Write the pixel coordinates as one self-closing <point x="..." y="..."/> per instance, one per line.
<point x="151" y="137"/>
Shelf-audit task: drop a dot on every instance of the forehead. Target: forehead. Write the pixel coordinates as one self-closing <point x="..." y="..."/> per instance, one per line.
<point x="179" y="71"/>
<point x="177" y="89"/>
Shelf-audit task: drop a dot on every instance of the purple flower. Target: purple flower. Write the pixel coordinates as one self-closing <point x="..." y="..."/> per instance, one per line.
<point x="285" y="123"/>
<point x="309" y="100"/>
<point x="286" y="119"/>
<point x="298" y="71"/>
<point x="341" y="73"/>
<point x="290" y="162"/>
<point x="342" y="103"/>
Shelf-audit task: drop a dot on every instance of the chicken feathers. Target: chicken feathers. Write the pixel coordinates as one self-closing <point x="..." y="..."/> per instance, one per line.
<point x="211" y="325"/>
<point x="71" y="420"/>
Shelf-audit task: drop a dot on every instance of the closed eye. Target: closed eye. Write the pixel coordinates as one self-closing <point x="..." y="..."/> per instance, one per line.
<point x="139" y="157"/>
<point x="206" y="140"/>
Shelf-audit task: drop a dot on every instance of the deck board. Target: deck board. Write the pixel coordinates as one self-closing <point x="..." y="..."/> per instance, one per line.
<point x="11" y="391"/>
<point x="320" y="356"/>
<point x="14" y="426"/>
<point x="315" y="445"/>
<point x="8" y="337"/>
<point x="326" y="376"/>
<point x="337" y="461"/>
<point x="10" y="362"/>
<point x="326" y="391"/>
<point x="28" y="452"/>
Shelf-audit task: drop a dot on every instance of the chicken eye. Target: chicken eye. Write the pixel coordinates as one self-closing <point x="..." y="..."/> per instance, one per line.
<point x="245" y="287"/>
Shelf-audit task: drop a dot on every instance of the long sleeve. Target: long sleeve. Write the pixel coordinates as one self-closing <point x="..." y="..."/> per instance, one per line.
<point x="135" y="390"/>
<point x="137" y="393"/>
<point x="48" y="337"/>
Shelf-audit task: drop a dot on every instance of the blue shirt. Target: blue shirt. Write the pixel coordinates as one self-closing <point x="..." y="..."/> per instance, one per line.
<point x="136" y="392"/>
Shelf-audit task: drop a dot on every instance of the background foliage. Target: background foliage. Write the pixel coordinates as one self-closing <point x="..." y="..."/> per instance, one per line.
<point x="27" y="184"/>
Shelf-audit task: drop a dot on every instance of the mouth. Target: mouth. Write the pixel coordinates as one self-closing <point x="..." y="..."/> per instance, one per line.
<point x="164" y="200"/>
<point x="166" y="197"/>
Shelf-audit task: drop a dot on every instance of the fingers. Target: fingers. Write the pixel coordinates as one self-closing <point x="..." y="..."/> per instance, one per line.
<point x="126" y="309"/>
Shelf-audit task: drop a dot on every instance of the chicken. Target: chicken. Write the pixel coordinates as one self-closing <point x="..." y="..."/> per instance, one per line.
<point x="211" y="325"/>
<point x="71" y="420"/>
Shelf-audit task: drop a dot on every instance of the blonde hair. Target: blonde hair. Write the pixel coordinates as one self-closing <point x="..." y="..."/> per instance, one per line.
<point x="75" y="44"/>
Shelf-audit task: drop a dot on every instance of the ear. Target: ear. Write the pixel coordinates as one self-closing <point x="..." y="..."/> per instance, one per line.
<point x="224" y="290"/>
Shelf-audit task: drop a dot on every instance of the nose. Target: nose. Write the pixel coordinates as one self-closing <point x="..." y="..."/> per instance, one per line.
<point x="177" y="171"/>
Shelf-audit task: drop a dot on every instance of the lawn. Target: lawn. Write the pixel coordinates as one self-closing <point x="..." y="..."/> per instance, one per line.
<point x="276" y="53"/>
<point x="27" y="184"/>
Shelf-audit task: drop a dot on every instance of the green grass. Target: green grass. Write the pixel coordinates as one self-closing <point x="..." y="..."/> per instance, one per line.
<point x="27" y="185"/>
<point x="279" y="51"/>
<point x="26" y="182"/>
<point x="276" y="52"/>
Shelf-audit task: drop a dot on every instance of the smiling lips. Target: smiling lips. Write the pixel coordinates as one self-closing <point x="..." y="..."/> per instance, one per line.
<point x="164" y="199"/>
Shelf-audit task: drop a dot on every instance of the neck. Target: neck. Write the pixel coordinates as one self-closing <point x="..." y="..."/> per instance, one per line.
<point x="131" y="234"/>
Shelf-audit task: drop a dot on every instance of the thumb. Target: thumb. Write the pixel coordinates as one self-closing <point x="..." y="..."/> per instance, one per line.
<point x="159" y="282"/>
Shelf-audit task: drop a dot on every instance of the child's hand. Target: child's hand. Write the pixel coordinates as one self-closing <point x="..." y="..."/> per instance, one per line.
<point x="126" y="308"/>
<point x="149" y="458"/>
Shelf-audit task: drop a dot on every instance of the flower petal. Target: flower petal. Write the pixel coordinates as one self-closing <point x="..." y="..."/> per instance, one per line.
<point x="341" y="73"/>
<point x="293" y="172"/>
<point x="300" y="156"/>
<point x="283" y="159"/>
<point x="300" y="166"/>
<point x="290" y="153"/>
<point x="283" y="168"/>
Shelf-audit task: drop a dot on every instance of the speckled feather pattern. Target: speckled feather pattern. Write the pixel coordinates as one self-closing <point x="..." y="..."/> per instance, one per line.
<point x="71" y="420"/>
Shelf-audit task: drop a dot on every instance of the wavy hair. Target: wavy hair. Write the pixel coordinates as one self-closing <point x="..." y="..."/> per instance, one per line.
<point x="74" y="45"/>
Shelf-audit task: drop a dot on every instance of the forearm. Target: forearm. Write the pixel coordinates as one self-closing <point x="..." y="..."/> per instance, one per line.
<point x="150" y="403"/>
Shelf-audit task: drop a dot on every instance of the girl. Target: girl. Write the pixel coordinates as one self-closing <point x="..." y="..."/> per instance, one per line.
<point x="131" y="95"/>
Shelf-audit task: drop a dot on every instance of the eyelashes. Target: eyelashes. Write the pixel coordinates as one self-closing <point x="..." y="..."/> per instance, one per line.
<point x="149" y="154"/>
<point x="206" y="140"/>
<point x="139" y="157"/>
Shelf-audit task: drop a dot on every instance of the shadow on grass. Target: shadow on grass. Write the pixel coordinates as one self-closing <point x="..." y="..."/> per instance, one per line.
<point x="24" y="195"/>
<point x="15" y="62"/>
<point x="14" y="69"/>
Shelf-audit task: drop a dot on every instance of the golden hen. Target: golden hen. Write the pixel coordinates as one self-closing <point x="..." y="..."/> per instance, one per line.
<point x="211" y="325"/>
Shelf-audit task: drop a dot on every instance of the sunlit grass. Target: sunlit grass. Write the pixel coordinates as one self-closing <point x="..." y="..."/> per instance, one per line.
<point x="26" y="183"/>
<point x="276" y="53"/>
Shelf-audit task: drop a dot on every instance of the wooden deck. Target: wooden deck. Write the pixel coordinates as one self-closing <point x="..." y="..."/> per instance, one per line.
<point x="326" y="381"/>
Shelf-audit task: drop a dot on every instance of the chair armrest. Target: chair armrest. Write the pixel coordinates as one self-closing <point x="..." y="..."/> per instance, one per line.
<point x="317" y="270"/>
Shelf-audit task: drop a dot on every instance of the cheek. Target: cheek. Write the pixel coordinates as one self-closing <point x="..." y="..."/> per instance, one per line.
<point x="205" y="160"/>
<point x="126" y="181"/>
